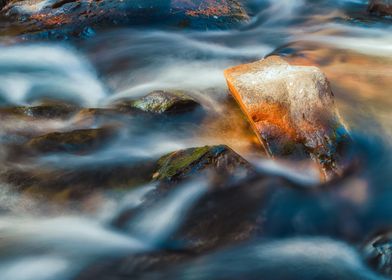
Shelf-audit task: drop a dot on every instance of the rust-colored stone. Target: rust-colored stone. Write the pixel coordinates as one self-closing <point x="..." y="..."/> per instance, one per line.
<point x="292" y="111"/>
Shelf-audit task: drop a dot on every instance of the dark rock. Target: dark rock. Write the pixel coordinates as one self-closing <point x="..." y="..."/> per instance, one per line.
<point x="378" y="252"/>
<point x="160" y="102"/>
<point x="77" y="141"/>
<point x="45" y="110"/>
<point x="74" y="183"/>
<point x="382" y="7"/>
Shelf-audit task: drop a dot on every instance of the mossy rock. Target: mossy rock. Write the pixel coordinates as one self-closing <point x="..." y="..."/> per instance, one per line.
<point x="160" y="102"/>
<point x="185" y="163"/>
<point x="76" y="141"/>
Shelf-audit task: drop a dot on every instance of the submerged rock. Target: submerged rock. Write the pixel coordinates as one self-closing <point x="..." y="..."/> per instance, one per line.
<point x="286" y="259"/>
<point x="185" y="163"/>
<point x="382" y="7"/>
<point x="75" y="183"/>
<point x="77" y="141"/>
<point x="378" y="252"/>
<point x="160" y="102"/>
<point x="46" y="110"/>
<point x="61" y="19"/>
<point x="292" y="111"/>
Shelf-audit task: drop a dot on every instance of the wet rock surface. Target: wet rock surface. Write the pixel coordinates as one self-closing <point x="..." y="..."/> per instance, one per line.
<point x="69" y="184"/>
<point x="160" y="102"/>
<point x="63" y="19"/>
<point x="291" y="108"/>
<point x="45" y="110"/>
<point x="190" y="162"/>
<point x="378" y="252"/>
<point x="382" y="7"/>
<point x="77" y="141"/>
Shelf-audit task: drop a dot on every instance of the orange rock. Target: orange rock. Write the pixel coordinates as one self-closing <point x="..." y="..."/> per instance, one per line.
<point x="292" y="111"/>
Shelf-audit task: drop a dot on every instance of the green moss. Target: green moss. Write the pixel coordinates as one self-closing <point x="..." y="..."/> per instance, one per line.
<point x="174" y="163"/>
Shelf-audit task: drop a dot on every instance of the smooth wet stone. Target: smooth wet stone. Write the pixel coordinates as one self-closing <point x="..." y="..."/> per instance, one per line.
<point x="62" y="19"/>
<point x="160" y="102"/>
<point x="382" y="7"/>
<point x="292" y="111"/>
<point x="76" y="141"/>
<point x="185" y="163"/>
<point x="378" y="252"/>
<point x="46" y="110"/>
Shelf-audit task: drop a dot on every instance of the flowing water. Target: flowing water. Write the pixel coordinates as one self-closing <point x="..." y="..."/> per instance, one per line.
<point x="353" y="49"/>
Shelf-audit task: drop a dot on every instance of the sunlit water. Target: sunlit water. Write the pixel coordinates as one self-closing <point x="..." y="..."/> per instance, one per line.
<point x="355" y="54"/>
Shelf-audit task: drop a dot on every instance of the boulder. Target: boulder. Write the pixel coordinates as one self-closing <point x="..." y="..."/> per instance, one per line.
<point x="67" y="18"/>
<point x="382" y="7"/>
<point x="76" y="141"/>
<point x="160" y="102"/>
<point x="292" y="111"/>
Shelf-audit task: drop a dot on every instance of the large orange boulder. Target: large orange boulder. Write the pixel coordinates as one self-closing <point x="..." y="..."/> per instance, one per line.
<point x="292" y="111"/>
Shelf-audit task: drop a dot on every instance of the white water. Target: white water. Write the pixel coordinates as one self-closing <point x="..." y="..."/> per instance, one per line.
<point x="65" y="244"/>
<point x="29" y="73"/>
<point x="40" y="247"/>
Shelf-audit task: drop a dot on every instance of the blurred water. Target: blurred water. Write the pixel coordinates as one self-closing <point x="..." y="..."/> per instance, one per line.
<point x="130" y="62"/>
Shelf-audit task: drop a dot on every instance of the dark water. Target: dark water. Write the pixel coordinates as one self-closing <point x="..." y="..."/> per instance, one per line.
<point x="312" y="234"/>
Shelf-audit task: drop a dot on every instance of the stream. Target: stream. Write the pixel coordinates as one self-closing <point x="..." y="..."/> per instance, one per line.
<point x="303" y="232"/>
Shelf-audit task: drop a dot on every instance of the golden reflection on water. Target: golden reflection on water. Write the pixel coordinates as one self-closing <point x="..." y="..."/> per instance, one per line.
<point x="361" y="83"/>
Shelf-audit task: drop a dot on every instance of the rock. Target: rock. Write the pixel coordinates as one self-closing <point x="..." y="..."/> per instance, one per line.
<point x="160" y="102"/>
<point x="292" y="111"/>
<point x="61" y="19"/>
<point x="378" y="252"/>
<point x="208" y="13"/>
<point x="77" y="141"/>
<point x="382" y="7"/>
<point x="45" y="110"/>
<point x="185" y="163"/>
<point x="75" y="183"/>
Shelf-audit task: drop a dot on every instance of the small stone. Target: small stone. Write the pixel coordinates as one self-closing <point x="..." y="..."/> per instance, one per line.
<point x="160" y="102"/>
<point x="292" y="111"/>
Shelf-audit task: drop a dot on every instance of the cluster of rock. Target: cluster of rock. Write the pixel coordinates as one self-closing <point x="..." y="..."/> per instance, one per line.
<point x="62" y="19"/>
